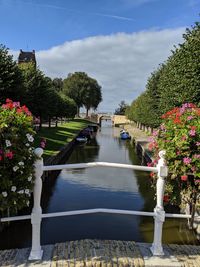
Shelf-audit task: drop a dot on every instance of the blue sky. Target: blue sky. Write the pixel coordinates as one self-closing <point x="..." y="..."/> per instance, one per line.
<point x="121" y="33"/>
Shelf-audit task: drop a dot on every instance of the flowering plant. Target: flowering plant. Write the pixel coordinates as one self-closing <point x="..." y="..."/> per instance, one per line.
<point x="179" y="135"/>
<point x="16" y="157"/>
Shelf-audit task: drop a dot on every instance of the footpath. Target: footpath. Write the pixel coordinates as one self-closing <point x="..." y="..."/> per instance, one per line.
<point x="103" y="253"/>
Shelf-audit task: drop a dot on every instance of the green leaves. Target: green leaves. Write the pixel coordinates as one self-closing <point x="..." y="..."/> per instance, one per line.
<point x="16" y="157"/>
<point x="84" y="90"/>
<point x="175" y="82"/>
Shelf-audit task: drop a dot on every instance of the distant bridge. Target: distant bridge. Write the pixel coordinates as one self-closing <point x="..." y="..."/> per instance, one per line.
<point x="115" y="119"/>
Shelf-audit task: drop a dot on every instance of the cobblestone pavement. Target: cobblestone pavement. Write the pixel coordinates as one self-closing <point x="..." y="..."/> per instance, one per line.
<point x="103" y="253"/>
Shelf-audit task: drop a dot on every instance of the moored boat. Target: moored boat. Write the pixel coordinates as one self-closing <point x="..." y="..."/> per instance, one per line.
<point x="124" y="135"/>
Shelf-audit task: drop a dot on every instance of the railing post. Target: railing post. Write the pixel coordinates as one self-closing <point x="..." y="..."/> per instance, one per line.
<point x="159" y="212"/>
<point x="36" y="215"/>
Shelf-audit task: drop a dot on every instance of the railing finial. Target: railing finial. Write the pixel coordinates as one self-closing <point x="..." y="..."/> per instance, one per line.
<point x="38" y="152"/>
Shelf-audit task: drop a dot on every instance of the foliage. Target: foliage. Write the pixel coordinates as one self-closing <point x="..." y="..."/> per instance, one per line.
<point x="16" y="157"/>
<point x="84" y="90"/>
<point x="175" y="82"/>
<point x="121" y="109"/>
<point x="179" y="135"/>
<point x="11" y="82"/>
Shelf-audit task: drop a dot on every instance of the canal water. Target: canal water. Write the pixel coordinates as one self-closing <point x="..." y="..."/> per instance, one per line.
<point x="98" y="188"/>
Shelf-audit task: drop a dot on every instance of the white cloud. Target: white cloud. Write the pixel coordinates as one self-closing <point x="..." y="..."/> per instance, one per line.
<point x="121" y="62"/>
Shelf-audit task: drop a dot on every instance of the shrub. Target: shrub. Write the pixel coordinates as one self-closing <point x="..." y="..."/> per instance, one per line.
<point x="16" y="157"/>
<point x="179" y="135"/>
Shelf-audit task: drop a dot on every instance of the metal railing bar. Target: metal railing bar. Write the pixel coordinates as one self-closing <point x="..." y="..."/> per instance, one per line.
<point x="180" y="216"/>
<point x="16" y="218"/>
<point x="99" y="210"/>
<point x="98" y="164"/>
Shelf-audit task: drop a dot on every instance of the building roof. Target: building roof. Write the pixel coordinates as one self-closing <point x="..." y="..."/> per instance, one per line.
<point x="26" y="57"/>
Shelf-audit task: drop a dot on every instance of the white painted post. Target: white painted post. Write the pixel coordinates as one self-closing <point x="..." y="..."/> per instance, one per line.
<point x="36" y="215"/>
<point x="159" y="212"/>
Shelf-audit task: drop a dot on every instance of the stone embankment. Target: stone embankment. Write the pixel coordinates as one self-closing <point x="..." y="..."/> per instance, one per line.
<point x="141" y="141"/>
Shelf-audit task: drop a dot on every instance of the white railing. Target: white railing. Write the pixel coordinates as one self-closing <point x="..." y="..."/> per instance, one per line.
<point x="36" y="215"/>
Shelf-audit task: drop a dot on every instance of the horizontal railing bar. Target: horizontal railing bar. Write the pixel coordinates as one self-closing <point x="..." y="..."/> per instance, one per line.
<point x="98" y="164"/>
<point x="15" y="218"/>
<point x="183" y="216"/>
<point x="99" y="210"/>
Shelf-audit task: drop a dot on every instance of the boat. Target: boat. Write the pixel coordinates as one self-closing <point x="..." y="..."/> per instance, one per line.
<point x="124" y="135"/>
<point x="81" y="139"/>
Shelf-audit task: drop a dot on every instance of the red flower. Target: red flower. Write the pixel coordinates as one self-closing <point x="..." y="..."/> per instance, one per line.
<point x="9" y="155"/>
<point x="152" y="174"/>
<point x="166" y="198"/>
<point x="184" y="178"/>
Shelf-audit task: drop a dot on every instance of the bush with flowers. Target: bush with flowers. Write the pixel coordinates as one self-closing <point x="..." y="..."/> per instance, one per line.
<point x="16" y="157"/>
<point x="179" y="135"/>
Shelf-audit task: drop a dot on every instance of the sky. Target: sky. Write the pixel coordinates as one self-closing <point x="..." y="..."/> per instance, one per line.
<point x="117" y="42"/>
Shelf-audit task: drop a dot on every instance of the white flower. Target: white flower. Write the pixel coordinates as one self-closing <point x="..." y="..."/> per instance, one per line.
<point x="29" y="178"/>
<point x="21" y="163"/>
<point x="26" y="191"/>
<point x="21" y="172"/>
<point x="14" y="202"/>
<point x="27" y="144"/>
<point x="13" y="188"/>
<point x="21" y="192"/>
<point x="15" y="168"/>
<point x="4" y="194"/>
<point x="30" y="137"/>
<point x="27" y="203"/>
<point x="8" y="143"/>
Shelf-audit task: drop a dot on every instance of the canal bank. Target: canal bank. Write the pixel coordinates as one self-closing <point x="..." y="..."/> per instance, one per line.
<point x="140" y="140"/>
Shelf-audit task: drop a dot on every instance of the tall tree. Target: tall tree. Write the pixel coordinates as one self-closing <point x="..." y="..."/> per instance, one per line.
<point x="122" y="108"/>
<point x="11" y="81"/>
<point x="84" y="90"/>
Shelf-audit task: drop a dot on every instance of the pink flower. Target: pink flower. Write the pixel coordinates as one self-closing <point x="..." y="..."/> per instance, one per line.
<point x="193" y="168"/>
<point x="9" y="155"/>
<point x="192" y="132"/>
<point x="178" y="152"/>
<point x="155" y="133"/>
<point x="189" y="118"/>
<point x="198" y="143"/>
<point x="183" y="138"/>
<point x="197" y="156"/>
<point x="150" y="164"/>
<point x="187" y="160"/>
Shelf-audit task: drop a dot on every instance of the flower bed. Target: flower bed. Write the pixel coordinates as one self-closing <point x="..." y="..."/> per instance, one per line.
<point x="16" y="157"/>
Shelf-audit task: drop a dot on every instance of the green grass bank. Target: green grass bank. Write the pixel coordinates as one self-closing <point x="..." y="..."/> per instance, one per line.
<point x="56" y="137"/>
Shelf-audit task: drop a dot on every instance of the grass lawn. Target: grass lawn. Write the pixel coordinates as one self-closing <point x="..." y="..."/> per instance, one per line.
<point x="60" y="136"/>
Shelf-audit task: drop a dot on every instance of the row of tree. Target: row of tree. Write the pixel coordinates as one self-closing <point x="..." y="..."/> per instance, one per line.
<point x="46" y="98"/>
<point x="174" y="82"/>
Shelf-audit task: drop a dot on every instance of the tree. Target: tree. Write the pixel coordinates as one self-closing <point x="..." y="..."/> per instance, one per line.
<point x="122" y="108"/>
<point x="58" y="84"/>
<point x="83" y="90"/>
<point x="39" y="93"/>
<point x="11" y="81"/>
<point x="91" y="95"/>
